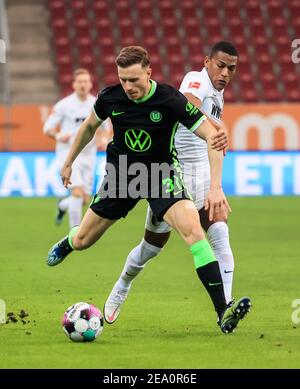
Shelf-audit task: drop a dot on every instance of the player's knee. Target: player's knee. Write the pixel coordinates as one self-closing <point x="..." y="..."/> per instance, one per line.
<point x="192" y="233"/>
<point x="156" y="239"/>
<point x="78" y="192"/>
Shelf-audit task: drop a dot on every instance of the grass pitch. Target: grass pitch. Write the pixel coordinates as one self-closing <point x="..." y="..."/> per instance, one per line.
<point x="168" y="320"/>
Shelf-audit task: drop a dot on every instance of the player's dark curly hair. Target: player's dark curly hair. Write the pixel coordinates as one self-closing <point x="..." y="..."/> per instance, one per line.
<point x="132" y="55"/>
<point x="225" y="47"/>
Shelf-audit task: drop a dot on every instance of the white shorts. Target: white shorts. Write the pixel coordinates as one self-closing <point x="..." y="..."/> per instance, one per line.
<point x="83" y="171"/>
<point x="196" y="178"/>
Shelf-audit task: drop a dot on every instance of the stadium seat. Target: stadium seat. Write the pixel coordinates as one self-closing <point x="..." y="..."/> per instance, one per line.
<point x="79" y="8"/>
<point x="293" y="94"/>
<point x="275" y="8"/>
<point x="248" y="94"/>
<point x="169" y="26"/>
<point x="231" y="10"/>
<point x="148" y="27"/>
<point x="187" y="9"/>
<point x="191" y="26"/>
<point x="57" y="9"/>
<point x="229" y="95"/>
<point x="123" y="10"/>
<point x="166" y="9"/>
<point x="144" y="8"/>
<point x="271" y="95"/>
<point x="100" y="8"/>
<point x="196" y="62"/>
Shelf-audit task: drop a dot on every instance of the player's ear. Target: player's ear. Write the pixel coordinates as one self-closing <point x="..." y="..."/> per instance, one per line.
<point x="206" y="61"/>
<point x="149" y="72"/>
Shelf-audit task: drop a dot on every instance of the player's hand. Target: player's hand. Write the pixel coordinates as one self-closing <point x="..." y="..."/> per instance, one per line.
<point x="65" y="174"/>
<point x="217" y="204"/>
<point x="63" y="137"/>
<point x="220" y="140"/>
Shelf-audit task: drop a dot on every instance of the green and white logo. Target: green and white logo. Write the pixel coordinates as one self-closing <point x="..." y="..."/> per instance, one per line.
<point x="137" y="140"/>
<point x="155" y="116"/>
<point x="189" y="107"/>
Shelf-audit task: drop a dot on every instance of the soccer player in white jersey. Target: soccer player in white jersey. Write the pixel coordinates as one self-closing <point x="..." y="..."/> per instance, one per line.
<point x="68" y="114"/>
<point x="205" y="90"/>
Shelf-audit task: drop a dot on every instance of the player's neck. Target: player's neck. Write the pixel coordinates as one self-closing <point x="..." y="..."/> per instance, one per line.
<point x="147" y="91"/>
<point x="82" y="97"/>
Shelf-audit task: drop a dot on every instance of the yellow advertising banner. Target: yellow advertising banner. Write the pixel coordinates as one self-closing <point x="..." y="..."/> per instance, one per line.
<point x="251" y="127"/>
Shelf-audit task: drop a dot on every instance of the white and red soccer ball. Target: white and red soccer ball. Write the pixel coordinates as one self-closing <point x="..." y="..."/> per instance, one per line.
<point x="82" y="322"/>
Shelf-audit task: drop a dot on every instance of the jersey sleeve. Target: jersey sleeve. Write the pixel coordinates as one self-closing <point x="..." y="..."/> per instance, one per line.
<point x="193" y="83"/>
<point x="100" y="107"/>
<point x="189" y="115"/>
<point x="55" y="118"/>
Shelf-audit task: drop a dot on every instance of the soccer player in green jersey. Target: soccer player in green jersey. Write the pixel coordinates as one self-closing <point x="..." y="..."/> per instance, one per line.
<point x="145" y="116"/>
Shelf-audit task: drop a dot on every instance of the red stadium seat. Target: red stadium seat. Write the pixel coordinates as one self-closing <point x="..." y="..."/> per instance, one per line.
<point x="79" y="8"/>
<point x="275" y="8"/>
<point x="248" y="94"/>
<point x="125" y="27"/>
<point x="196" y="61"/>
<point x="166" y="9"/>
<point x="271" y="95"/>
<point x="209" y="11"/>
<point x="57" y="8"/>
<point x="279" y="26"/>
<point x="144" y="8"/>
<point x="176" y="64"/>
<point x="148" y="27"/>
<point x="195" y="45"/>
<point x="293" y="95"/>
<point x="191" y="26"/>
<point x="231" y="10"/>
<point x="229" y="95"/>
<point x="169" y="26"/>
<point x="151" y="43"/>
<point x="187" y="8"/>
<point x="123" y="10"/>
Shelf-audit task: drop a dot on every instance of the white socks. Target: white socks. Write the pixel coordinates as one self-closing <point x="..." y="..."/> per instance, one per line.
<point x="64" y="203"/>
<point x="136" y="261"/>
<point x="75" y="210"/>
<point x="218" y="237"/>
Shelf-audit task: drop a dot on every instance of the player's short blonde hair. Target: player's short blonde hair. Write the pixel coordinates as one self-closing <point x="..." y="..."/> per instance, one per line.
<point x="80" y="71"/>
<point x="132" y="55"/>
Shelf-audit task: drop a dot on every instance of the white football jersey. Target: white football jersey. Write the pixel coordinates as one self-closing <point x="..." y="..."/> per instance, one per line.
<point x="191" y="147"/>
<point x="69" y="113"/>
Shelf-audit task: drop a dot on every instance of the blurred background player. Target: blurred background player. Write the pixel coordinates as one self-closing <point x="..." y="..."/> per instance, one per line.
<point x="68" y="114"/>
<point x="205" y="90"/>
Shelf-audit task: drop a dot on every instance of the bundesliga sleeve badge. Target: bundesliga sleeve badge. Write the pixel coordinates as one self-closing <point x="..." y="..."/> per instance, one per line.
<point x="194" y="85"/>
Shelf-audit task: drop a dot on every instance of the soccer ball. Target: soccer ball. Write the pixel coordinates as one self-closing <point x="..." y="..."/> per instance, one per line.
<point x="82" y="322"/>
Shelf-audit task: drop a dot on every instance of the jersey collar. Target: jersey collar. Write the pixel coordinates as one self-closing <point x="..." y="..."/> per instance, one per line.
<point x="150" y="94"/>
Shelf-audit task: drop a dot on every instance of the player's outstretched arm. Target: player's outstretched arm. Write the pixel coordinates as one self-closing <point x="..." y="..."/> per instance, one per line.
<point x="215" y="201"/>
<point x="220" y="138"/>
<point x="84" y="135"/>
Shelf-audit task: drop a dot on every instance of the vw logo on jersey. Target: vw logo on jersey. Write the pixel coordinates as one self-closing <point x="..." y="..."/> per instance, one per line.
<point x="137" y="140"/>
<point x="155" y="116"/>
